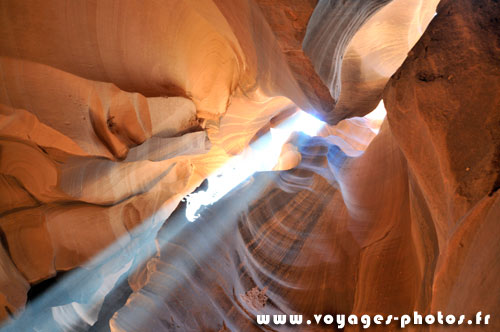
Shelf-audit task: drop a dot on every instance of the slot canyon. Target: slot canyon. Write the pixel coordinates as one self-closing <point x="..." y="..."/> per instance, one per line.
<point x="189" y="165"/>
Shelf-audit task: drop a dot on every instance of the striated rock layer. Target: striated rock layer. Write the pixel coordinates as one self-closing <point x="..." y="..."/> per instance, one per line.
<point x="111" y="112"/>
<point x="388" y="232"/>
<point x="444" y="113"/>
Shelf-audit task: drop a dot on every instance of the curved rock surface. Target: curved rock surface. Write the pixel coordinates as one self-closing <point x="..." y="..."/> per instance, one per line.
<point x="376" y="51"/>
<point x="112" y="112"/>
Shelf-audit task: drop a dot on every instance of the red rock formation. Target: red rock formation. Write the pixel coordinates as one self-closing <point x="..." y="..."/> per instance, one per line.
<point x="444" y="112"/>
<point x="111" y="112"/>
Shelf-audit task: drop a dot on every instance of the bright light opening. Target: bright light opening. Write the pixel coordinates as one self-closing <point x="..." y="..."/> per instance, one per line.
<point x="376" y="117"/>
<point x="262" y="155"/>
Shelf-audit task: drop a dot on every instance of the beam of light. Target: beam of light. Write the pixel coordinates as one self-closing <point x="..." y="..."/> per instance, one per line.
<point x="377" y="116"/>
<point x="262" y="155"/>
<point x="76" y="300"/>
<point x="197" y="240"/>
<point x="89" y="310"/>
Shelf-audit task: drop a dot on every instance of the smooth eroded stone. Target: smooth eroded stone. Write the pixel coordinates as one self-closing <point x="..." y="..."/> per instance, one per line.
<point x="29" y="243"/>
<point x="13" y="287"/>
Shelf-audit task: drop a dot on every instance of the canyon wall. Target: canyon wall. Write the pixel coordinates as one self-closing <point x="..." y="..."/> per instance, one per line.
<point x="111" y="112"/>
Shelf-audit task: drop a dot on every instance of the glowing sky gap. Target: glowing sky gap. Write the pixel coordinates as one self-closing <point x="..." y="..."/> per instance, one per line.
<point x="262" y="155"/>
<point x="377" y="116"/>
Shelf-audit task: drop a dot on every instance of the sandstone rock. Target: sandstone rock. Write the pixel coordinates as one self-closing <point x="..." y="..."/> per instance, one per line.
<point x="442" y="95"/>
<point x="376" y="51"/>
<point x="110" y="113"/>
<point x="444" y="113"/>
<point x="13" y="287"/>
<point x="29" y="244"/>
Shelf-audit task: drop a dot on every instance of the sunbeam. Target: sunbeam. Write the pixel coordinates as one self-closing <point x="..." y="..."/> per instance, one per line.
<point x="56" y="310"/>
<point x="262" y="155"/>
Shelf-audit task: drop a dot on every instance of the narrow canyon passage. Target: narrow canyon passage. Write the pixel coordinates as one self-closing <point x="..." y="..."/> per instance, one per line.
<point x="197" y="165"/>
